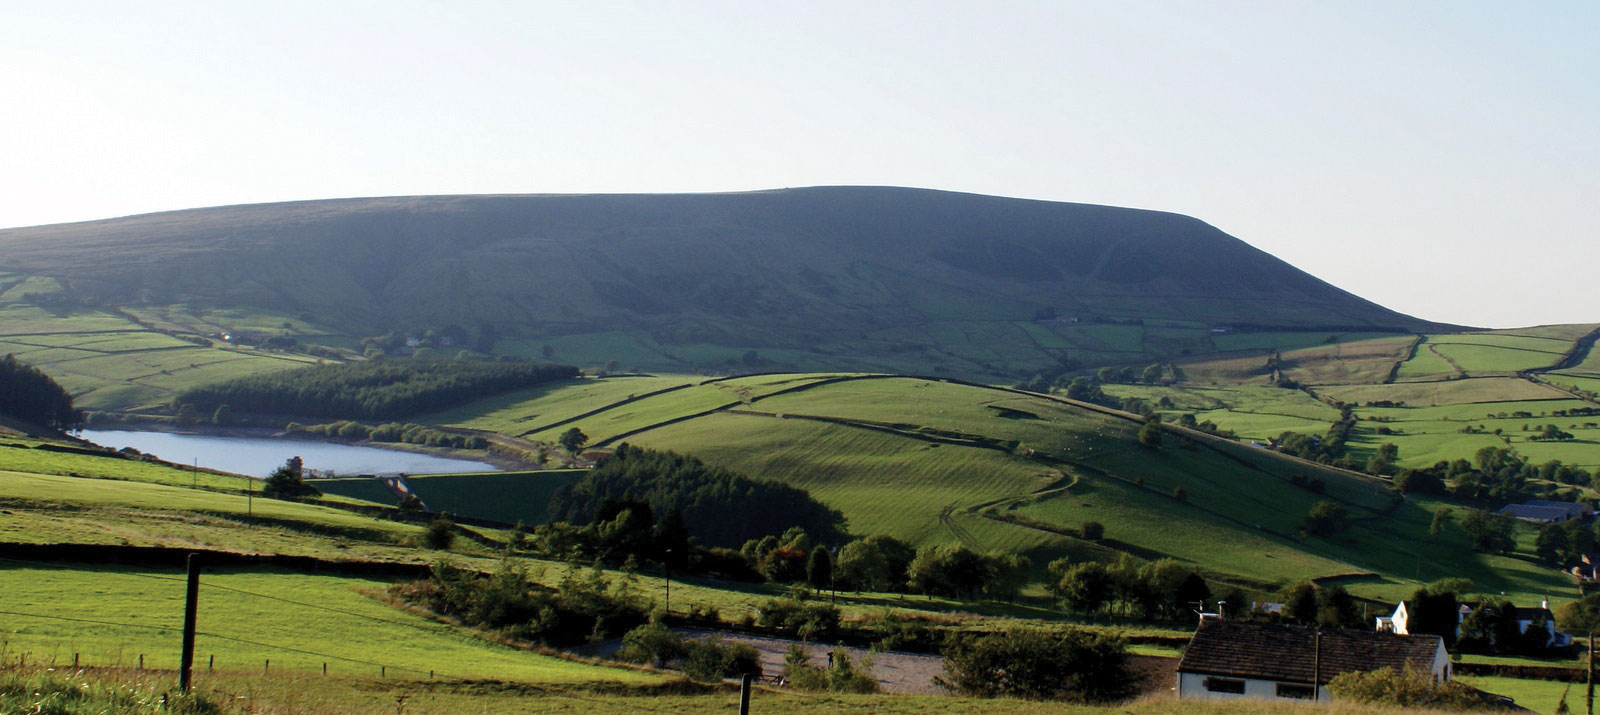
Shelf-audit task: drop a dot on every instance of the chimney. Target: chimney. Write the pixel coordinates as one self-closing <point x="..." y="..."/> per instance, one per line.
<point x="1544" y="603"/>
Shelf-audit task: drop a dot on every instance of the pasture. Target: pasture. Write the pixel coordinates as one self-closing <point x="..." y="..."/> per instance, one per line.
<point x="296" y="620"/>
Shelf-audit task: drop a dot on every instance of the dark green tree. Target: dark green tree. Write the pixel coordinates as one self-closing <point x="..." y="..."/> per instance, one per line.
<point x="572" y="440"/>
<point x="819" y="568"/>
<point x="288" y="481"/>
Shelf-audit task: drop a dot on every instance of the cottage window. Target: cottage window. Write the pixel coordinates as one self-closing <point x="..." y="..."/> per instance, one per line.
<point x="1299" y="692"/>
<point x="1225" y="685"/>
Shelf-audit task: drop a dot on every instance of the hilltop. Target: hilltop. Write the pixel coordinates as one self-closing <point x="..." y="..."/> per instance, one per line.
<point x="830" y="278"/>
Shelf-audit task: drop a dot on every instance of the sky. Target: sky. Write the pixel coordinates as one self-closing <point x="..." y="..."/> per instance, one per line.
<point x="1440" y="158"/>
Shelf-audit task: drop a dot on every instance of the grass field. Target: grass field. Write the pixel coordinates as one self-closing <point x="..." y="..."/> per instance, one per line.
<point x="339" y="624"/>
<point x="508" y="497"/>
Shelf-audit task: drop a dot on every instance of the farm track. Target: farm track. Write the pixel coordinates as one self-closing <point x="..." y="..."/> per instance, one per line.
<point x="1451" y="361"/>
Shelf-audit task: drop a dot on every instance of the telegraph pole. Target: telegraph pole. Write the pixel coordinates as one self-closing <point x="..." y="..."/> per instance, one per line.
<point x="191" y="602"/>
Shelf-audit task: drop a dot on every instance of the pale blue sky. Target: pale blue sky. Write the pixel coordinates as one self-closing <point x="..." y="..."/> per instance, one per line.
<point x="1440" y="158"/>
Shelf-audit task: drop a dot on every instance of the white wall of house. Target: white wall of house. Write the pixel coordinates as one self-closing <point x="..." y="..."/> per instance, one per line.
<point x="1192" y="686"/>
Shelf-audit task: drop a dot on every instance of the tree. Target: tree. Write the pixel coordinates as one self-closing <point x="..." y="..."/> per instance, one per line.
<point x="1490" y="532"/>
<point x="1084" y="587"/>
<point x="440" y="535"/>
<point x="1008" y="574"/>
<point x="1551" y="544"/>
<point x="1442" y="517"/>
<point x="287" y="482"/>
<point x="1037" y="664"/>
<point x="819" y="569"/>
<point x="1300" y="602"/>
<point x="1092" y="530"/>
<point x="1179" y="493"/>
<point x="1150" y="433"/>
<point x="876" y="563"/>
<point x="1324" y="519"/>
<point x="573" y="440"/>
<point x="1153" y="374"/>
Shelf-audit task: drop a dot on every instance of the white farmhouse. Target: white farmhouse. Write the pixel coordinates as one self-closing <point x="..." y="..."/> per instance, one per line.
<point x="1229" y="659"/>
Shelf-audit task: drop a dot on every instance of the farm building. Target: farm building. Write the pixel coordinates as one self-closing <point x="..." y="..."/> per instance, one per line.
<point x="1540" y="511"/>
<point x="1398" y="623"/>
<point x="1229" y="660"/>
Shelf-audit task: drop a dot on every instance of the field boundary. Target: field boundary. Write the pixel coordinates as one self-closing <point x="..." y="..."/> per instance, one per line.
<point x="174" y="557"/>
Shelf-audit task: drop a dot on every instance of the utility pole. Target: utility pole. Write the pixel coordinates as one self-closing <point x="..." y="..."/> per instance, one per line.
<point x="194" y="480"/>
<point x="1589" y="699"/>
<point x="1316" y="665"/>
<point x="668" y="564"/>
<point x="190" y="607"/>
<point x="250" y="496"/>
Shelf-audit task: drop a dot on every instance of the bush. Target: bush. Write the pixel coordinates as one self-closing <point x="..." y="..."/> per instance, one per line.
<point x="708" y="659"/>
<point x="811" y="620"/>
<point x="840" y="676"/>
<point x="440" y="535"/>
<point x="1093" y="530"/>
<point x="1036" y="664"/>
<point x="1410" y="688"/>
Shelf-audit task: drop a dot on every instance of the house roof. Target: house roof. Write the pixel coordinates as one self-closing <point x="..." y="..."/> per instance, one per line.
<point x="1569" y="507"/>
<point x="1285" y="653"/>
<point x="1535" y="513"/>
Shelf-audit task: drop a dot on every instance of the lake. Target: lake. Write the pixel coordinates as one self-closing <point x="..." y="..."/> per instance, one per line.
<point x="258" y="456"/>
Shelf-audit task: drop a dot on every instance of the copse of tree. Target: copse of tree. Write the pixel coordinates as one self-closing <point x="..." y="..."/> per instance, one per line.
<point x="954" y="570"/>
<point x="375" y="389"/>
<point x="876" y="563"/>
<point x="719" y="507"/>
<point x="26" y="393"/>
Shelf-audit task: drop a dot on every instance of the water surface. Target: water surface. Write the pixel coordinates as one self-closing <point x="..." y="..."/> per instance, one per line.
<point x="258" y="456"/>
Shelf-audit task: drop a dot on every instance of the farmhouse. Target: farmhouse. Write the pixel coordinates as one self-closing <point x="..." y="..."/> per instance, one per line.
<point x="1399" y="622"/>
<point x="1229" y="659"/>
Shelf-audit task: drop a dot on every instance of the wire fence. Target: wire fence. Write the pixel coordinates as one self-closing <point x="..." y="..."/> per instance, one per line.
<point x="21" y="658"/>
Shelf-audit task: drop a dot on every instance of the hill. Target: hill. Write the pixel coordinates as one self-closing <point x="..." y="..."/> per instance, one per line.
<point x="857" y="278"/>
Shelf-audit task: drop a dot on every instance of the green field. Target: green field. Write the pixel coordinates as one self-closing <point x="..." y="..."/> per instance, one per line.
<point x="341" y="625"/>
<point x="508" y="497"/>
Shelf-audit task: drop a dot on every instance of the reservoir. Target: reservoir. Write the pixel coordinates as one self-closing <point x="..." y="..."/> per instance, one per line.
<point x="258" y="456"/>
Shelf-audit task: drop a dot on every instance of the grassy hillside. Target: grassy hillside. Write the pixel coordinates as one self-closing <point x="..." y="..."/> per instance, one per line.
<point x="936" y="462"/>
<point x="839" y="278"/>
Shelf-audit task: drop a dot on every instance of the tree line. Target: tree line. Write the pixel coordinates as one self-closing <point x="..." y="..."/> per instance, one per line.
<point x="373" y="389"/>
<point x="26" y="393"/>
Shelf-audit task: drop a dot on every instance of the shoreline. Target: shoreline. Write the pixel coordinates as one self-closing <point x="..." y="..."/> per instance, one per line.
<point x="491" y="459"/>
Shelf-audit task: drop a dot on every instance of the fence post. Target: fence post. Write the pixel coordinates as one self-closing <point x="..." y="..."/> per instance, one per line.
<point x="266" y="667"/>
<point x="190" y="606"/>
<point x="74" y="661"/>
<point x="212" y="664"/>
<point x="141" y="661"/>
<point x="324" y="667"/>
<point x="744" y="694"/>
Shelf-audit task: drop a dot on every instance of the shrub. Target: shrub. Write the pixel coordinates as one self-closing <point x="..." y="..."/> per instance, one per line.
<point x="1410" y="688"/>
<point x="842" y="675"/>
<point x="1073" y="663"/>
<point x="440" y="535"/>
<point x="810" y="620"/>
<point x="708" y="659"/>
<point x="1093" y="530"/>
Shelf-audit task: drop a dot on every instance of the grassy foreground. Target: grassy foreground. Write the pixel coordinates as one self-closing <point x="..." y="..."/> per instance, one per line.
<point x="33" y="689"/>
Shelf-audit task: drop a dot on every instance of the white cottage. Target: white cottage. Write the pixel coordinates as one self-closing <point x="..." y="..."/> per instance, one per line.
<point x="1230" y="659"/>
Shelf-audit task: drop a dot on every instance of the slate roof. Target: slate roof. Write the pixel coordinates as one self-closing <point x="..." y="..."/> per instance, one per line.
<point x="1282" y="652"/>
<point x="1572" y="509"/>
<point x="1535" y="513"/>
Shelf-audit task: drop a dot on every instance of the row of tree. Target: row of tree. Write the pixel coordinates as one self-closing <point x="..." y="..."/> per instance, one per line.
<point x="1165" y="588"/>
<point x="720" y="507"/>
<point x="373" y="389"/>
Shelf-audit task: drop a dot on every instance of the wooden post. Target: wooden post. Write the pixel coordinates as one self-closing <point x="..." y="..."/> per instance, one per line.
<point x="190" y="609"/>
<point x="266" y="667"/>
<point x="141" y="661"/>
<point x="744" y="693"/>
<point x="212" y="665"/>
<point x="1316" y="666"/>
<point x="324" y="667"/>
<point x="74" y="660"/>
<point x="1589" y="699"/>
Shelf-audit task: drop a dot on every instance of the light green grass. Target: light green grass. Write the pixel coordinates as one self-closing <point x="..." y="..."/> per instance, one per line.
<point x="105" y="493"/>
<point x="1449" y="392"/>
<point x="1540" y="696"/>
<point x="518" y="412"/>
<point x="361" y="629"/>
